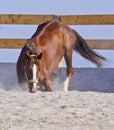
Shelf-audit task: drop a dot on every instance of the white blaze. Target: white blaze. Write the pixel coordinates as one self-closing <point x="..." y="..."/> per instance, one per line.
<point x="34" y="74"/>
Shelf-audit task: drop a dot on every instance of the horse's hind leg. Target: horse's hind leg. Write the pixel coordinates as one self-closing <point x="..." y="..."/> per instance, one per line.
<point x="68" y="59"/>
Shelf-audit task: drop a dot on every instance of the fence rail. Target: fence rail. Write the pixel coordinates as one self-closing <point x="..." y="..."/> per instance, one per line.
<point x="94" y="43"/>
<point x="24" y="19"/>
<point x="68" y="19"/>
<point x="88" y="19"/>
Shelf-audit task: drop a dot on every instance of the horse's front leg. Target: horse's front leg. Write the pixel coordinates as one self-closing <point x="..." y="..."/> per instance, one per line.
<point x="47" y="84"/>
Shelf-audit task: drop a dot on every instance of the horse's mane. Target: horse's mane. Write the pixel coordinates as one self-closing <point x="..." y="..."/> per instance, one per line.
<point x="40" y="28"/>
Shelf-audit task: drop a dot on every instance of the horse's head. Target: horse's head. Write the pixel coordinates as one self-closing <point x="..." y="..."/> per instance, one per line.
<point x="32" y="68"/>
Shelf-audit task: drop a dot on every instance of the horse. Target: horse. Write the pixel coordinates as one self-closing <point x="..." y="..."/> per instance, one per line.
<point x="42" y="53"/>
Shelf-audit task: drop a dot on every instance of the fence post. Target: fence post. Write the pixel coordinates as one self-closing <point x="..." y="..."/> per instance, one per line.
<point x="56" y="17"/>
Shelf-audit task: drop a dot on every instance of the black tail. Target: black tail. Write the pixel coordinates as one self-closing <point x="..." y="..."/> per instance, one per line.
<point x="85" y="51"/>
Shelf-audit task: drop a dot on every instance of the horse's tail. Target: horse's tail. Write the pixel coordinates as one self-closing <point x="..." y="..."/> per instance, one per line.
<point x="85" y="51"/>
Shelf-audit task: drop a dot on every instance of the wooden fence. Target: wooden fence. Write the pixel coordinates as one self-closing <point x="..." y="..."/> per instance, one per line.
<point x="68" y="19"/>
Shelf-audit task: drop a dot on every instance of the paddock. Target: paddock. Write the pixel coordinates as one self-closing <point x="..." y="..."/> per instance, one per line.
<point x="87" y="105"/>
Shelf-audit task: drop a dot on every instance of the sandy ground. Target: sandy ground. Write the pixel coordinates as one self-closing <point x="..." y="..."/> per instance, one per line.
<point x="57" y="110"/>
<point x="86" y="106"/>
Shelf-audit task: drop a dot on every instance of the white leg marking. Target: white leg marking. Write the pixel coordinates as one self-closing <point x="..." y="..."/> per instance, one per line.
<point x="66" y="84"/>
<point x="34" y="74"/>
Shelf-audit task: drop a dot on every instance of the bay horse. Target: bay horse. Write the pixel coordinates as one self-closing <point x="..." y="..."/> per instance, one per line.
<point x="42" y="53"/>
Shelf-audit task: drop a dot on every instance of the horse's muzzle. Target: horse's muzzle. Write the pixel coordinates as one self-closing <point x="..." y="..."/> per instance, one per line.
<point x="33" y="89"/>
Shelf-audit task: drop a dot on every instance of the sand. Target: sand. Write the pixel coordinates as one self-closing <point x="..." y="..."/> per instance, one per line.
<point x="88" y="105"/>
<point x="57" y="110"/>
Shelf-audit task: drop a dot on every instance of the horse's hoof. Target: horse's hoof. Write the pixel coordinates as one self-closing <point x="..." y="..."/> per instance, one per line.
<point x="48" y="90"/>
<point x="65" y="89"/>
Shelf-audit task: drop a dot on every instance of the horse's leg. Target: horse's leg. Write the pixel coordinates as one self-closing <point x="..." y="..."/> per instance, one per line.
<point x="68" y="59"/>
<point x="47" y="84"/>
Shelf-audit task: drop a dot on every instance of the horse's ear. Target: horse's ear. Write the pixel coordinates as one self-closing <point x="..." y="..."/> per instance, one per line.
<point x="28" y="53"/>
<point x="29" y="45"/>
<point x="40" y="56"/>
<point x="32" y="49"/>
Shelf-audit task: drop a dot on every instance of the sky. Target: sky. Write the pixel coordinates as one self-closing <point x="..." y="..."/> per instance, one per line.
<point x="58" y="7"/>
